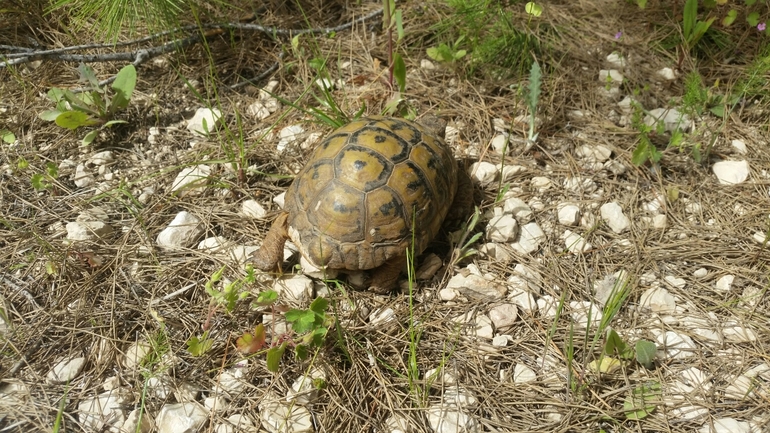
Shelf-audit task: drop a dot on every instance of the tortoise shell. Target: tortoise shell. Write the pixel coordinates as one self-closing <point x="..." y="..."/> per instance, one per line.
<point x="365" y="187"/>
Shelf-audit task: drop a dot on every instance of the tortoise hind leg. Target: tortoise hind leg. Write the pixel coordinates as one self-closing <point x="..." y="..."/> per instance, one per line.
<point x="462" y="206"/>
<point x="385" y="277"/>
<point x="270" y="255"/>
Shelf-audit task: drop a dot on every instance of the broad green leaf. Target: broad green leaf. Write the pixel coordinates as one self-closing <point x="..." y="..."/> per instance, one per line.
<point x="124" y="85"/>
<point x="749" y="2"/>
<point x="433" y="53"/>
<point x="74" y="120"/>
<point x="639" y="156"/>
<point x="319" y="305"/>
<point x="718" y="110"/>
<point x="690" y="15"/>
<point x="730" y="18"/>
<point x="90" y="137"/>
<point x="8" y="136"/>
<point x="641" y="3"/>
<point x="459" y="54"/>
<point x="198" y="346"/>
<point x="614" y="343"/>
<point x="52" y="170"/>
<point x="399" y="71"/>
<point x="399" y="26"/>
<point x="607" y="365"/>
<point x="645" y="353"/>
<point x="753" y="19"/>
<point x="87" y="75"/>
<point x="295" y="42"/>
<point x="534" y="87"/>
<point x="249" y="343"/>
<point x="274" y="357"/>
<point x="38" y="181"/>
<point x="49" y="115"/>
<point x="642" y="401"/>
<point x="267" y="297"/>
<point x="533" y="9"/>
<point x="301" y="352"/>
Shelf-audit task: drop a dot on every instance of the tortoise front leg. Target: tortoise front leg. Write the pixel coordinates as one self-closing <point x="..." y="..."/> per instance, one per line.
<point x="385" y="277"/>
<point x="270" y="255"/>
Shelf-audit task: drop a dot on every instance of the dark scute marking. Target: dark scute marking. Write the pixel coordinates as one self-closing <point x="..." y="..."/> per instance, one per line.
<point x="382" y="135"/>
<point x="393" y="207"/>
<point x="421" y="182"/>
<point x="341" y="208"/>
<point x="328" y="140"/>
<point x="414" y="185"/>
<point x="380" y="138"/>
<point x="359" y="165"/>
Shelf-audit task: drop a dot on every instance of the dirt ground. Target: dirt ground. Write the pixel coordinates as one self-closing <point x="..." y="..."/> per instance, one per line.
<point x="96" y="299"/>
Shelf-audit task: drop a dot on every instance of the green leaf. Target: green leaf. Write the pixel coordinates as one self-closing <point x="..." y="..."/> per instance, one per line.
<point x="689" y="18"/>
<point x="88" y="76"/>
<point x="399" y="71"/>
<point x="52" y="170"/>
<point x="730" y="17"/>
<point x="38" y="182"/>
<point x="718" y="110"/>
<point x="533" y="9"/>
<point x="124" y="85"/>
<point x="399" y="26"/>
<point x="90" y="137"/>
<point x="198" y="346"/>
<point x="267" y="297"/>
<point x="301" y="352"/>
<point x="459" y="54"/>
<point x="639" y="156"/>
<point x="74" y="120"/>
<point x="274" y="355"/>
<point x="433" y="53"/>
<point x="295" y="42"/>
<point x="319" y="306"/>
<point x="534" y="87"/>
<point x="749" y="2"/>
<point x="114" y="122"/>
<point x="753" y="19"/>
<point x="7" y="136"/>
<point x="614" y="344"/>
<point x="49" y="115"/>
<point x="642" y="401"/>
<point x="641" y="3"/>
<point x="55" y="94"/>
<point x="301" y="320"/>
<point x="645" y="353"/>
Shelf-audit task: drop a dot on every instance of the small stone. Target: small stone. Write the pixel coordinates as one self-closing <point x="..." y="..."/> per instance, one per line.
<point x="671" y="118"/>
<point x="307" y="388"/>
<point x="500" y="340"/>
<point x="252" y="209"/>
<point x="613" y="215"/>
<point x="504" y="315"/>
<point x="296" y="289"/>
<point x="280" y="199"/>
<point x="278" y="417"/>
<point x="731" y="172"/>
<point x="658" y="300"/>
<point x="204" y="121"/>
<point x="725" y="425"/>
<point x="135" y="354"/>
<point x="575" y="243"/>
<point x="258" y="110"/>
<point x="502" y="228"/>
<point x="739" y="387"/>
<point x="547" y="306"/>
<point x="181" y="417"/>
<point x="759" y="237"/>
<point x="87" y="230"/>
<point x="103" y="412"/>
<point x="397" y="423"/>
<point x="735" y="333"/>
<point x="478" y="325"/>
<point x="83" y="178"/>
<point x="569" y="214"/>
<point x="675" y="346"/>
<point x="101" y="158"/>
<point x="519" y="209"/>
<point x="581" y="310"/>
<point x="457" y="396"/>
<point x="725" y="283"/>
<point x="510" y="171"/>
<point x="667" y="74"/>
<point x="523" y="374"/>
<point x="447" y="419"/>
<point x="495" y="251"/>
<point x="191" y="179"/>
<point x="182" y="232"/>
<point x="610" y="75"/>
<point x="580" y="185"/>
<point x="659" y="221"/>
<point x="484" y="172"/>
<point x="500" y="143"/>
<point x="215" y="403"/>
<point x="66" y="370"/>
<point x="475" y="287"/>
<point x="540" y="183"/>
<point x="616" y="60"/>
<point x="524" y="300"/>
<point x="289" y="135"/>
<point x="380" y="317"/>
<point x="739" y="146"/>
<point x="427" y="64"/>
<point x="448" y="294"/>
<point x="593" y="153"/>
<point x="677" y="283"/>
<point x="700" y="273"/>
<point x="233" y="381"/>
<point x="439" y="377"/>
<point x="530" y="237"/>
<point x="131" y="424"/>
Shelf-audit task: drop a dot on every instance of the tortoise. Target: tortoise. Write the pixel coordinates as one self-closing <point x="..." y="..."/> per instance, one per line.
<point x="368" y="191"/>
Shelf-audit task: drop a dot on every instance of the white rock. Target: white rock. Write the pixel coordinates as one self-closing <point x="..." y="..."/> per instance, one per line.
<point x="87" y="230"/>
<point x="658" y="300"/>
<point x="739" y="146"/>
<point x="500" y="142"/>
<point x="160" y="386"/>
<point x="613" y="215"/>
<point x="615" y="167"/>
<point x="427" y="64"/>
<point x="439" y="377"/>
<point x="236" y="424"/>
<point x="103" y="412"/>
<point x="530" y="276"/>
<point x="258" y="110"/>
<point x="759" y="237"/>
<point x="397" y="423"/>
<point x="252" y="209"/>
<point x="530" y="237"/>
<point x="191" y="179"/>
<point x="502" y="228"/>
<point x="547" y="306"/>
<point x="232" y="382"/>
<point x="478" y="325"/>
<point x="540" y="183"/>
<point x="677" y="283"/>
<point x="524" y="300"/>
<point x="575" y="243"/>
<point x="593" y="153"/>
<point x="205" y="119"/>
<point x="736" y="333"/>
<point x="445" y="419"/>
<point x="66" y="370"/>
<point x="459" y="397"/>
<point x="379" y="317"/>
<point x="659" y="221"/>
<point x="484" y="172"/>
<point x="134" y="355"/>
<point x="182" y="232"/>
<point x="278" y="417"/>
<point x="610" y="75"/>
<point x="610" y="285"/>
<point x="674" y="345"/>
<point x="215" y="403"/>
<point x="311" y="140"/>
<point x="671" y="118"/>
<point x="580" y="185"/>
<point x="311" y="270"/>
<point x="500" y="125"/>
<point x="725" y="283"/>
<point x="581" y="310"/>
<point x="739" y="387"/>
<point x="475" y="287"/>
<point x="725" y="425"/>
<point x="519" y="209"/>
<point x="731" y="172"/>
<point x="667" y="74"/>
<point x="689" y="412"/>
<point x="305" y="389"/>
<point x="101" y="158"/>
<point x="689" y="380"/>
<point x="523" y="374"/>
<point x="181" y="418"/>
<point x="82" y="177"/>
<point x="296" y="289"/>
<point x="280" y="199"/>
<point x="214" y="244"/>
<point x="448" y="294"/>
<point x="289" y="135"/>
<point x="510" y="171"/>
<point x="495" y="252"/>
<point x="503" y="316"/>
<point x="186" y="391"/>
<point x="616" y="60"/>
<point x="700" y="273"/>
<point x="429" y="266"/>
<point x="569" y="214"/>
<point x="132" y="422"/>
<point x="500" y="340"/>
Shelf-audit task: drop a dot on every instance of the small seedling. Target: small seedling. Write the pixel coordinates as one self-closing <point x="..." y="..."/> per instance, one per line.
<point x="447" y="53"/>
<point x="93" y="107"/>
<point x="7" y="136"/>
<point x="462" y="247"/>
<point x="532" y="99"/>
<point x="692" y="28"/>
<point x="642" y="401"/>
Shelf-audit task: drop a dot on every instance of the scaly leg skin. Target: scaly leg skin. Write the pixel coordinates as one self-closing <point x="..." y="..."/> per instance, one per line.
<point x="385" y="277"/>
<point x="270" y="255"/>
